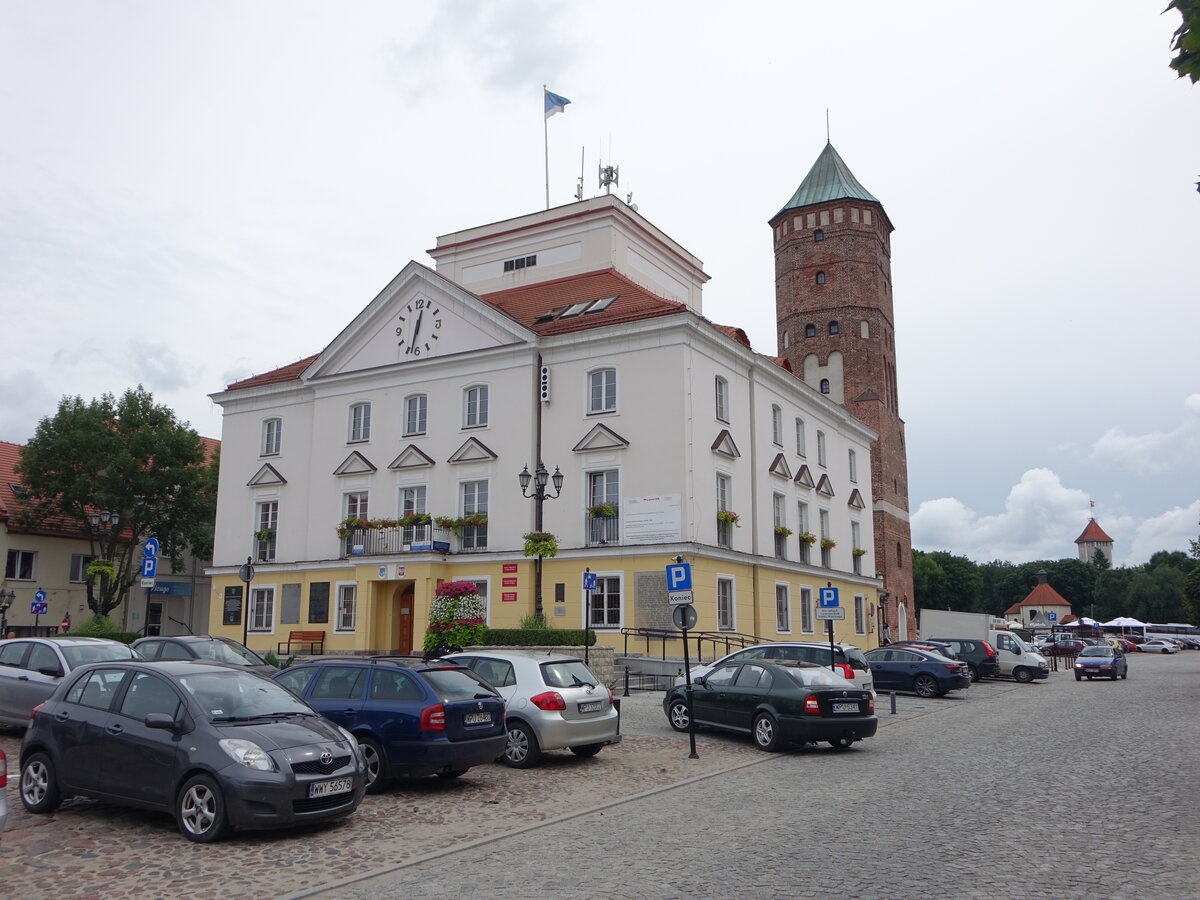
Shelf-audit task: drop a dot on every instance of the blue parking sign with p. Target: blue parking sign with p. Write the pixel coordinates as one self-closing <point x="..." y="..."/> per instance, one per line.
<point x="679" y="577"/>
<point x="827" y="597"/>
<point x="149" y="566"/>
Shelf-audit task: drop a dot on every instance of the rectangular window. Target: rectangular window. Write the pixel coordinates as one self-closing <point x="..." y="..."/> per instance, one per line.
<point x="412" y="501"/>
<point x="806" y="610"/>
<point x="267" y="516"/>
<point x="860" y="619"/>
<point x="475" y="415"/>
<point x="272" y="436"/>
<point x="474" y="502"/>
<point x="79" y="564"/>
<point x="779" y="517"/>
<point x="360" y="422"/>
<point x="853" y="466"/>
<point x="602" y="391"/>
<point x="416" y="414"/>
<point x="262" y="609"/>
<point x="854" y="547"/>
<point x="21" y="565"/>
<point x="820" y="448"/>
<point x="783" y="609"/>
<point x="318" y="602"/>
<point x="346" y="607"/>
<point x="800" y="445"/>
<point x="356" y="505"/>
<point x="606" y="603"/>
<point x="725" y="611"/>
<point x="724" y="529"/>
<point x="722" y="399"/>
<point x="826" y="552"/>
<point x="521" y="262"/>
<point x="776" y="426"/>
<point x="604" y="489"/>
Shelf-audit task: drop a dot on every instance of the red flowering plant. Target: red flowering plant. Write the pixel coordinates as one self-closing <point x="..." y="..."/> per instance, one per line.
<point x="456" y="618"/>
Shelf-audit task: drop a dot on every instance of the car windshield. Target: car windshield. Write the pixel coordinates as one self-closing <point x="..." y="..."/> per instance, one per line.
<point x="1097" y="651"/>
<point x="231" y="694"/>
<point x="457" y="684"/>
<point x="82" y="654"/>
<point x="226" y="652"/>
<point x="568" y="673"/>
<point x="815" y="677"/>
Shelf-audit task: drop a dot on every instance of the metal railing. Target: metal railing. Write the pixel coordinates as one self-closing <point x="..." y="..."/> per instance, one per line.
<point x="603" y="530"/>
<point x="718" y="643"/>
<point x="403" y="539"/>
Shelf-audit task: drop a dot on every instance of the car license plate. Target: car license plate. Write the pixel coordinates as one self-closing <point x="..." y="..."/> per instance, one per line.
<point x="845" y="707"/>
<point x="594" y="706"/>
<point x="482" y="718"/>
<point x="326" y="788"/>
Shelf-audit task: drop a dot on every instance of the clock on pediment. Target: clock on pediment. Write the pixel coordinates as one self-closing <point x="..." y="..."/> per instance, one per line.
<point x="418" y="328"/>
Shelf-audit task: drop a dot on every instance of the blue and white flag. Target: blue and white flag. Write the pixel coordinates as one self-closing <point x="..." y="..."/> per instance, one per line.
<point x="555" y="103"/>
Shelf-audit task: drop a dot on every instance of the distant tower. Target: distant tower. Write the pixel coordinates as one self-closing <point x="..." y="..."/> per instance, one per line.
<point x="1093" y="539"/>
<point x="833" y="305"/>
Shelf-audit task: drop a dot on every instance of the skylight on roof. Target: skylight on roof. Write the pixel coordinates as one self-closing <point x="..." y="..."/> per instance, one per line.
<point x="575" y="309"/>
<point x="602" y="304"/>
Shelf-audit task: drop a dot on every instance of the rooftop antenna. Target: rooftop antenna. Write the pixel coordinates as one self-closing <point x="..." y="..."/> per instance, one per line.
<point x="629" y="201"/>
<point x="579" y="187"/>
<point x="609" y="176"/>
<point x="827" y="125"/>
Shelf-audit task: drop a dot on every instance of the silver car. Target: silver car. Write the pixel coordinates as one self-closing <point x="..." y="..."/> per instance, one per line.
<point x="3" y="792"/>
<point x="848" y="659"/>
<point x="553" y="702"/>
<point x="31" y="668"/>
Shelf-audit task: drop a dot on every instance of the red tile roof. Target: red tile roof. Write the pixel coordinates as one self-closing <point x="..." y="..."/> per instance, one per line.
<point x="1041" y="595"/>
<point x="1093" y="532"/>
<point x="289" y="372"/>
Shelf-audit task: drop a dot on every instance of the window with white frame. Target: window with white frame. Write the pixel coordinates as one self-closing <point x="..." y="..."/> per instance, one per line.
<point x="474" y="502"/>
<point x="801" y="446"/>
<point x="826" y="552"/>
<point x="722" y="387"/>
<point x="783" y="609"/>
<point x="416" y="414"/>
<point x="272" y="436"/>
<point x="802" y="516"/>
<point x="806" y="610"/>
<point x="723" y="491"/>
<point x="79" y="564"/>
<point x="602" y="391"/>
<point x="267" y="517"/>
<point x="824" y="518"/>
<point x="606" y="602"/>
<point x="262" y="609"/>
<point x="853" y="460"/>
<point x="360" y="422"/>
<point x="725" y="610"/>
<point x="776" y="426"/>
<point x="604" y="488"/>
<point x="412" y="500"/>
<point x="355" y="506"/>
<point x="475" y="406"/>
<point x="21" y="565"/>
<point x="820" y="448"/>
<point x="778" y="510"/>
<point x="860" y="617"/>
<point x="347" y="607"/>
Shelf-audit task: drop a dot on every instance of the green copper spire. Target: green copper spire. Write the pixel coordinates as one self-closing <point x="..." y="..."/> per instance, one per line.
<point x="828" y="179"/>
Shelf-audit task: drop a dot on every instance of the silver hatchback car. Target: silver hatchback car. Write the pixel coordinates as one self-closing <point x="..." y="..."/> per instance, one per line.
<point x="31" y="668"/>
<point x="553" y="702"/>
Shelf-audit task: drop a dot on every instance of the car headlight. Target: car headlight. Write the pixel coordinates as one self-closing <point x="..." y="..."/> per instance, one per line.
<point x="1079" y="665"/>
<point x="249" y="754"/>
<point x="350" y="739"/>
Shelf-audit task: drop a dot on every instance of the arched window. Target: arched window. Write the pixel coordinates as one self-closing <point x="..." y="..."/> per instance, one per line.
<point x="834" y="328"/>
<point x="824" y="385"/>
<point x="820" y="278"/>
<point x="810" y="330"/>
<point x="818" y="235"/>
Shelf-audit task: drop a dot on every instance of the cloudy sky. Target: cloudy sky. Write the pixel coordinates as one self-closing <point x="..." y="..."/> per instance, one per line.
<point x="192" y="193"/>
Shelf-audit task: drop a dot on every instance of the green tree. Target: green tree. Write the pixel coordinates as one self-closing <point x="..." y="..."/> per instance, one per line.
<point x="1187" y="39"/>
<point x="929" y="581"/>
<point x="963" y="587"/>
<point x="126" y="456"/>
<point x="1100" y="560"/>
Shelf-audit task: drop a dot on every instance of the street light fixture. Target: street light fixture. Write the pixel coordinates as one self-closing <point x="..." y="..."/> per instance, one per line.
<point x="6" y="601"/>
<point x="105" y="524"/>
<point x="539" y="496"/>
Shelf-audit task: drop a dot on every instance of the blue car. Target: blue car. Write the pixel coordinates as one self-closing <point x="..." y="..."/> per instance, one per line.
<point x="411" y="717"/>
<point x="925" y="673"/>
<point x="1102" y="660"/>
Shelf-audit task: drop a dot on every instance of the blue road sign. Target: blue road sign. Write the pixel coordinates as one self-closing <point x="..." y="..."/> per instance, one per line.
<point x="149" y="567"/>
<point x="39" y="596"/>
<point x="827" y="597"/>
<point x="679" y="577"/>
<point x="589" y="581"/>
<point x="150" y="547"/>
<point x="1052" y="616"/>
<point x="38" y="609"/>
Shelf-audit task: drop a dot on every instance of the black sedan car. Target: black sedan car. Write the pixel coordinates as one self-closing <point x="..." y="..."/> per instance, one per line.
<point x="925" y="673"/>
<point x="219" y="748"/>
<point x="778" y="703"/>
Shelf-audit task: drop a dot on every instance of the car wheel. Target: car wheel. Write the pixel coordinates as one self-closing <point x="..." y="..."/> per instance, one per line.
<point x="1078" y="677"/>
<point x="200" y="811"/>
<point x="677" y="714"/>
<point x="1023" y="675"/>
<point x="39" y="787"/>
<point x="925" y="686"/>
<point x="974" y="672"/>
<point x="766" y="733"/>
<point x="451" y="774"/>
<point x="522" y="750"/>
<point x="587" y="750"/>
<point x="377" y="766"/>
<point x="1125" y="674"/>
<point x="841" y="743"/>
<point x="1113" y="676"/>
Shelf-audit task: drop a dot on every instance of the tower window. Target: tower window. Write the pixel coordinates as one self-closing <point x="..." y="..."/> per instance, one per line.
<point x="818" y="235"/>
<point x="824" y="385"/>
<point x="834" y="328"/>
<point x="810" y="330"/>
<point x="820" y="278"/>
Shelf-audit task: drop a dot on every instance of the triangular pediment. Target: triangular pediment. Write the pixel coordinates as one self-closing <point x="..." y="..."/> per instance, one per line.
<point x="419" y="316"/>
<point x="472" y="451"/>
<point x="856" y="500"/>
<point x="780" y="467"/>
<point x="725" y="446"/>
<point x="601" y="437"/>
<point x="267" y="474"/>
<point x="354" y="464"/>
<point x="411" y="458"/>
<point x="803" y="477"/>
<point x="825" y="486"/>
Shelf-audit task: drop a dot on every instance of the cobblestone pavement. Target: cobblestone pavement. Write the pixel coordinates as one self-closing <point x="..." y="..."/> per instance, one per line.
<point x="932" y="806"/>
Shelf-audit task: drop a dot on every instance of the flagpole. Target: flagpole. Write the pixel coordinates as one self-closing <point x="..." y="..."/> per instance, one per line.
<point x="546" y="144"/>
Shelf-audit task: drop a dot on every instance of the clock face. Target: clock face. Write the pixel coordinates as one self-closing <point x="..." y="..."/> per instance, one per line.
<point x="418" y="329"/>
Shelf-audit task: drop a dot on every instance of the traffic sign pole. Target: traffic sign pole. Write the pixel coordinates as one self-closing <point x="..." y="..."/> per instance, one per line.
<point x="679" y="580"/>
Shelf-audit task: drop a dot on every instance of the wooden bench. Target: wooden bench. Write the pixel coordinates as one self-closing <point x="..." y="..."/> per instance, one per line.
<point x="312" y="641"/>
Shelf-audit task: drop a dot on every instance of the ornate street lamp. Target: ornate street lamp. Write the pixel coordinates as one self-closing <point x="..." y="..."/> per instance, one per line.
<point x="539" y="496"/>
<point x="6" y="601"/>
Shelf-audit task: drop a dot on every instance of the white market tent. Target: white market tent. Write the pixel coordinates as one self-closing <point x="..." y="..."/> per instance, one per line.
<point x="1084" y="621"/>
<point x="1125" y="622"/>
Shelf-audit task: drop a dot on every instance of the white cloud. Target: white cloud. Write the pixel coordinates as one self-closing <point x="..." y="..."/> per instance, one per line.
<point x="1170" y="531"/>
<point x="1156" y="451"/>
<point x="26" y="401"/>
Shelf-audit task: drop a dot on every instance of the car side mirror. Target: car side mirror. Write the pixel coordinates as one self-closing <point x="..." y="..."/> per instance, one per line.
<point x="159" y="720"/>
<point x="51" y="671"/>
<point x="700" y="679"/>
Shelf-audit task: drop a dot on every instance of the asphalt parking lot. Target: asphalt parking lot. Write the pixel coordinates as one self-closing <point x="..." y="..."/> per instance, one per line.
<point x="88" y="849"/>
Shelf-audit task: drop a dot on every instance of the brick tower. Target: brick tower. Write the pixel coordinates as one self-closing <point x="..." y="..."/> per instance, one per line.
<point x="833" y="303"/>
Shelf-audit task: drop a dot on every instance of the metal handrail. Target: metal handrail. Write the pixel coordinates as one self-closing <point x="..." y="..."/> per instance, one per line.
<point x="730" y="640"/>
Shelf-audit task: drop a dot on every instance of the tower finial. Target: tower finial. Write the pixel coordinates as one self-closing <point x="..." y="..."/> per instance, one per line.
<point x="827" y="140"/>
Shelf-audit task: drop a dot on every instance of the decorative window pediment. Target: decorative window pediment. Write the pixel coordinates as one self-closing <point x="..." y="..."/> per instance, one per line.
<point x="856" y="500"/>
<point x="471" y="451"/>
<point x="803" y="477"/>
<point x="601" y="437"/>
<point x="354" y="464"/>
<point x="780" y="467"/>
<point x="411" y="458"/>
<point x="267" y="474"/>
<point x="725" y="446"/>
<point x="824" y="486"/>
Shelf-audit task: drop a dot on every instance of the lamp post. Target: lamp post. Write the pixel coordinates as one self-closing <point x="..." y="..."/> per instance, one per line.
<point x="246" y="574"/>
<point x="105" y="524"/>
<point x="539" y="497"/>
<point x="6" y="600"/>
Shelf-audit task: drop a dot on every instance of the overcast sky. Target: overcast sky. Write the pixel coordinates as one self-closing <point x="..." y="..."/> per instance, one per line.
<point x="192" y="193"/>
